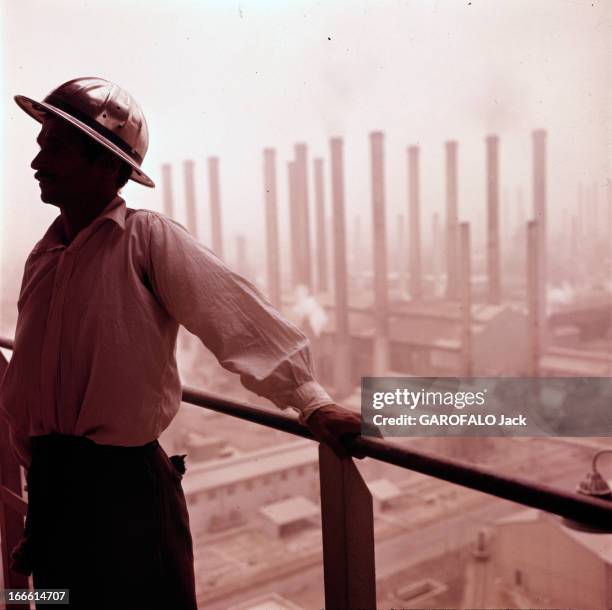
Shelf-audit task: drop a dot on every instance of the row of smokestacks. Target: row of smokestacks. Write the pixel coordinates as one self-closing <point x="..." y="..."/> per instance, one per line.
<point x="315" y="277"/>
<point x="300" y="234"/>
<point x="302" y="272"/>
<point x="190" y="200"/>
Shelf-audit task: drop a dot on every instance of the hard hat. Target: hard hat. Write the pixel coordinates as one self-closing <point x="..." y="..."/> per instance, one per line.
<point x="103" y="111"/>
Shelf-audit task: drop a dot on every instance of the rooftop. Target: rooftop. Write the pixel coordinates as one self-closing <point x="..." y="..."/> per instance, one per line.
<point x="290" y="510"/>
<point x="269" y="601"/>
<point x="217" y="473"/>
<point x="383" y="489"/>
<point x="599" y="544"/>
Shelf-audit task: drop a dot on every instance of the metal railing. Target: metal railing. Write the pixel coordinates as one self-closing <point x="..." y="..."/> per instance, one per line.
<point x="346" y="503"/>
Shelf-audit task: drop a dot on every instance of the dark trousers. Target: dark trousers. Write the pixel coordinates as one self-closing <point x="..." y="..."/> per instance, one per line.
<point x="110" y="524"/>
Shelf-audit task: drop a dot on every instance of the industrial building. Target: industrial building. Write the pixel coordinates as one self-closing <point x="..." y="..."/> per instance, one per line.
<point x="552" y="565"/>
<point x="228" y="492"/>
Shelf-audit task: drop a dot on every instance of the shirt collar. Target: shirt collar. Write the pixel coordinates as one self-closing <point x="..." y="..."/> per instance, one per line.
<point x="115" y="211"/>
<point x="54" y="236"/>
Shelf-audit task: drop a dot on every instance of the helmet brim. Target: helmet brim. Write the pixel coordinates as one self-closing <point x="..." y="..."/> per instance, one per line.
<point x="39" y="110"/>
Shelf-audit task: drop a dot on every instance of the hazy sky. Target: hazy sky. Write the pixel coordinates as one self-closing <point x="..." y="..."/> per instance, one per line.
<point x="230" y="78"/>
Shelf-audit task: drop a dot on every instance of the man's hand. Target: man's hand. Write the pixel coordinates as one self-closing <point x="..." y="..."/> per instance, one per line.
<point x="330" y="423"/>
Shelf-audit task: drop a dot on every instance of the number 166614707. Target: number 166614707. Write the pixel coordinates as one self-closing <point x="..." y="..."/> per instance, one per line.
<point x="40" y="596"/>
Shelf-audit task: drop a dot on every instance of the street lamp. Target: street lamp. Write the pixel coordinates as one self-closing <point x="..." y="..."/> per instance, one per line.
<point x="596" y="486"/>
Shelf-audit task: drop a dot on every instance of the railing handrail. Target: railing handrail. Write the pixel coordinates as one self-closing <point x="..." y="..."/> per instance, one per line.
<point x="567" y="504"/>
<point x="572" y="505"/>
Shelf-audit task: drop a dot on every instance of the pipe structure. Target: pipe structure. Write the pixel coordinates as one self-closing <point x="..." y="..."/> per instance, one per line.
<point x="242" y="265"/>
<point x="358" y="258"/>
<point x="294" y="225"/>
<point x="301" y="192"/>
<point x="322" y="263"/>
<point x="467" y="359"/>
<point x="416" y="276"/>
<point x="167" y="199"/>
<point x="343" y="352"/>
<point x="272" y="245"/>
<point x="381" y="301"/>
<point x="540" y="215"/>
<point x="190" y="198"/>
<point x="533" y="296"/>
<point x="452" y="223"/>
<point x="506" y="228"/>
<point x="215" y="206"/>
<point x="401" y="254"/>
<point x="436" y="250"/>
<point x="493" y="254"/>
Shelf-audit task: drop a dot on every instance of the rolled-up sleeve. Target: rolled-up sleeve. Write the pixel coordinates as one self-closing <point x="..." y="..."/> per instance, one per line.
<point x="247" y="335"/>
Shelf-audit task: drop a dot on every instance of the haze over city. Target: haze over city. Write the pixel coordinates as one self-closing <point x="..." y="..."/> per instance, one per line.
<point x="228" y="79"/>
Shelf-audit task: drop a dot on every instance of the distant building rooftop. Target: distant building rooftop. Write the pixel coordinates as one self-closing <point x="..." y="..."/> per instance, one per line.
<point x="290" y="510"/>
<point x="576" y="362"/>
<point x="599" y="544"/>
<point x="427" y="324"/>
<point x="216" y="473"/>
<point x="383" y="489"/>
<point x="267" y="601"/>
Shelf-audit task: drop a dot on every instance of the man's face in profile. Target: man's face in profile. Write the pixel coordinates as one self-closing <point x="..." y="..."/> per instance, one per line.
<point x="64" y="168"/>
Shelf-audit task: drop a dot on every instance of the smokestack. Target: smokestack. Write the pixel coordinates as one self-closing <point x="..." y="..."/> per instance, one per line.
<point x="190" y="200"/>
<point x="493" y="257"/>
<point x="294" y="226"/>
<point x="466" y="302"/>
<point x="342" y="361"/>
<point x="358" y="259"/>
<point x="539" y="213"/>
<point x="215" y="206"/>
<point x="416" y="281"/>
<point x="533" y="297"/>
<point x="436" y="251"/>
<point x="322" y="280"/>
<point x="301" y="192"/>
<point x="401" y="255"/>
<point x="242" y="266"/>
<point x="517" y="260"/>
<point x="452" y="222"/>
<point x="272" y="247"/>
<point x="381" y="332"/>
<point x="167" y="190"/>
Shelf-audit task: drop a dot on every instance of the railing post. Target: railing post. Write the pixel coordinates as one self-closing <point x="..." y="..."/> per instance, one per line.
<point x="348" y="534"/>
<point x="11" y="522"/>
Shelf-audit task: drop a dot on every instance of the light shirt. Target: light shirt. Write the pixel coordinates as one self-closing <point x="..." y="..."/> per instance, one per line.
<point x="95" y="342"/>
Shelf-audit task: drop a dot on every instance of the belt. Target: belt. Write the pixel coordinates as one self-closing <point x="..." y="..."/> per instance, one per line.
<point x="66" y="443"/>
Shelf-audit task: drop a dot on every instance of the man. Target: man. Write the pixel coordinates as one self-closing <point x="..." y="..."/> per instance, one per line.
<point x="93" y="379"/>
